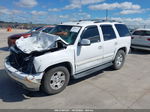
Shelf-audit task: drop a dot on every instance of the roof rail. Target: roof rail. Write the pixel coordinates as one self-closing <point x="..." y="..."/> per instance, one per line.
<point x="102" y="20"/>
<point x="98" y="20"/>
<point x="86" y="20"/>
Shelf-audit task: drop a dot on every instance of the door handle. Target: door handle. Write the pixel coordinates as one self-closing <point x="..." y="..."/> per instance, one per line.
<point x="116" y="43"/>
<point x="99" y="47"/>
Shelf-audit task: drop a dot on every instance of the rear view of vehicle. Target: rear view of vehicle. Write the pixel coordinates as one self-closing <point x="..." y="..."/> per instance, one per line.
<point x="141" y="39"/>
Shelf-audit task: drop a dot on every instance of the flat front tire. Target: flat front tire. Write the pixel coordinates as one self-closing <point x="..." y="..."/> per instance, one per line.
<point x="55" y="80"/>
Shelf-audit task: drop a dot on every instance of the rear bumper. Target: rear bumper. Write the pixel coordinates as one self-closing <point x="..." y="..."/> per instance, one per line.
<point x="29" y="81"/>
<point x="140" y="47"/>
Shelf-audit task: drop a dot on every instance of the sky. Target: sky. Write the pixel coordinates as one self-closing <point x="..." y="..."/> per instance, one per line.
<point x="135" y="12"/>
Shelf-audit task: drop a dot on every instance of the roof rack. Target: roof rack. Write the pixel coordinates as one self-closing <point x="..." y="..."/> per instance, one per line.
<point x="98" y="20"/>
<point x="88" y="20"/>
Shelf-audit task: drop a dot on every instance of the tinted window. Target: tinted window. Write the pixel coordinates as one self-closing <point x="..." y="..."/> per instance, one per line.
<point x="122" y="30"/>
<point x="138" y="33"/>
<point x="47" y="30"/>
<point x="38" y="28"/>
<point x="146" y="33"/>
<point x="91" y="33"/>
<point x="108" y="32"/>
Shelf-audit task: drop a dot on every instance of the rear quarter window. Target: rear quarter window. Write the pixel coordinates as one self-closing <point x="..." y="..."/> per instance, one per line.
<point x="122" y="30"/>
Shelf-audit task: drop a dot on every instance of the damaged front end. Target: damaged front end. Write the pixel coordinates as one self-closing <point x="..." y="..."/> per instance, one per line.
<point x="20" y="67"/>
<point x="20" y="63"/>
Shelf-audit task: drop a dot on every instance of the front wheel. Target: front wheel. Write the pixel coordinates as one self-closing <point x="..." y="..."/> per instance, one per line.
<point x="119" y="60"/>
<point x="55" y="80"/>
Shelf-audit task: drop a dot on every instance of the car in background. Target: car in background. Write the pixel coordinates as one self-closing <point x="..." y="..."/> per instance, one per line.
<point x="45" y="30"/>
<point x="140" y="39"/>
<point x="12" y="39"/>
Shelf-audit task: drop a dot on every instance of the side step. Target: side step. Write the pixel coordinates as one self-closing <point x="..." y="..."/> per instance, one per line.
<point x="92" y="70"/>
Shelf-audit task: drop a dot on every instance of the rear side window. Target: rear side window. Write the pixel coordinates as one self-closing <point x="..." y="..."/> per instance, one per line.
<point x="108" y="32"/>
<point x="138" y="33"/>
<point x="146" y="33"/>
<point x="122" y="30"/>
<point x="91" y="33"/>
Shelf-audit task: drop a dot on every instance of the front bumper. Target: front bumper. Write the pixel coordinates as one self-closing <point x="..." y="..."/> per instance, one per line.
<point x="29" y="81"/>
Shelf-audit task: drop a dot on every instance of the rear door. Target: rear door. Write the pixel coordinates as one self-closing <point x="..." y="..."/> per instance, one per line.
<point x="110" y="42"/>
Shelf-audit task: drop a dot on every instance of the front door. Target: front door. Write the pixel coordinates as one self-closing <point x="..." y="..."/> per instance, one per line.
<point x="89" y="56"/>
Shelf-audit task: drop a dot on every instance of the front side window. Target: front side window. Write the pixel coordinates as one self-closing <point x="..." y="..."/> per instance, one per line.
<point x="66" y="32"/>
<point x="91" y="33"/>
<point x="108" y="32"/>
<point x="122" y="30"/>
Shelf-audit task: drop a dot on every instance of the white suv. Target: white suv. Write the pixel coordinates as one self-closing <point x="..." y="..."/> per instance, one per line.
<point x="72" y="49"/>
<point x="141" y="39"/>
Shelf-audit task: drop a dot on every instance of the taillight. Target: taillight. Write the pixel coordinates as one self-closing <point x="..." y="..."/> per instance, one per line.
<point x="148" y="39"/>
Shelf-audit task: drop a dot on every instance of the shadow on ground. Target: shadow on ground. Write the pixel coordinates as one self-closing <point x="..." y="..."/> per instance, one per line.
<point x="12" y="92"/>
<point x="4" y="49"/>
<point x="140" y="52"/>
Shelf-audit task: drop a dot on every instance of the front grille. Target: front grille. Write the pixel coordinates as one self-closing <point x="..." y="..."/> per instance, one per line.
<point x="21" y="61"/>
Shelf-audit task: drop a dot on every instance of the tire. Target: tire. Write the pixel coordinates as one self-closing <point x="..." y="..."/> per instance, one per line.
<point x="55" y="80"/>
<point x="119" y="60"/>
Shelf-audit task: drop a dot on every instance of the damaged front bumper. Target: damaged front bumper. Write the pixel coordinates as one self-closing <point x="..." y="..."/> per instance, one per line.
<point x="29" y="81"/>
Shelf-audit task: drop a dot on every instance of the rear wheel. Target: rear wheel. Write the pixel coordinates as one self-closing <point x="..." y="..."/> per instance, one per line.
<point x="119" y="60"/>
<point x="55" y="80"/>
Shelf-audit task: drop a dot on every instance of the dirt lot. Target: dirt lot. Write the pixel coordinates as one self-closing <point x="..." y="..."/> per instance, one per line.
<point x="128" y="88"/>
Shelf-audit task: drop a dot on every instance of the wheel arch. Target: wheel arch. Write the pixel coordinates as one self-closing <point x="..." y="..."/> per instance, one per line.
<point x="121" y="48"/>
<point x="68" y="65"/>
<point x="124" y="49"/>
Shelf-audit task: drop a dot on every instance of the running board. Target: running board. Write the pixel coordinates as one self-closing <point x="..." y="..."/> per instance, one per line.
<point x="92" y="70"/>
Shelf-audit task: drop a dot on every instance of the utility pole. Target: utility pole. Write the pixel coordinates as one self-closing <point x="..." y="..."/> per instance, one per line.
<point x="106" y="14"/>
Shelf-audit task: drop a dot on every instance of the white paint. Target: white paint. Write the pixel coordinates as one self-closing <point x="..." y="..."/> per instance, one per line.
<point x="41" y="42"/>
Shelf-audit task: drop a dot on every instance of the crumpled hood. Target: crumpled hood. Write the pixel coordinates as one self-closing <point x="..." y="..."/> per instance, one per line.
<point x="42" y="41"/>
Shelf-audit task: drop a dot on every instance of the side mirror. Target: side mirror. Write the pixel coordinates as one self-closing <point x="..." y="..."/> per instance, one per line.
<point x="85" y="42"/>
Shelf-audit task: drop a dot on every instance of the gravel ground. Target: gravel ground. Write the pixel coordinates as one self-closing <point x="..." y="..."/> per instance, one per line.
<point x="128" y="88"/>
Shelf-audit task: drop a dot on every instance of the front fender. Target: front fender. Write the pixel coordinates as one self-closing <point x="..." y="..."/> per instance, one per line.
<point x="41" y="63"/>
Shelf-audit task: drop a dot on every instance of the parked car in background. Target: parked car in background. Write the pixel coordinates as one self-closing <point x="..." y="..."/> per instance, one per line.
<point x="45" y="30"/>
<point x="71" y="49"/>
<point x="12" y="39"/>
<point x="141" y="39"/>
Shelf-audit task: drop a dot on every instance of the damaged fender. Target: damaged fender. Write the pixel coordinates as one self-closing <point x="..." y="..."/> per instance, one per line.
<point x="42" y="62"/>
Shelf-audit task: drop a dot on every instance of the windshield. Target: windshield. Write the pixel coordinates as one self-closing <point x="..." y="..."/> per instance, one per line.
<point x="34" y="29"/>
<point x="48" y="29"/>
<point x="67" y="33"/>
